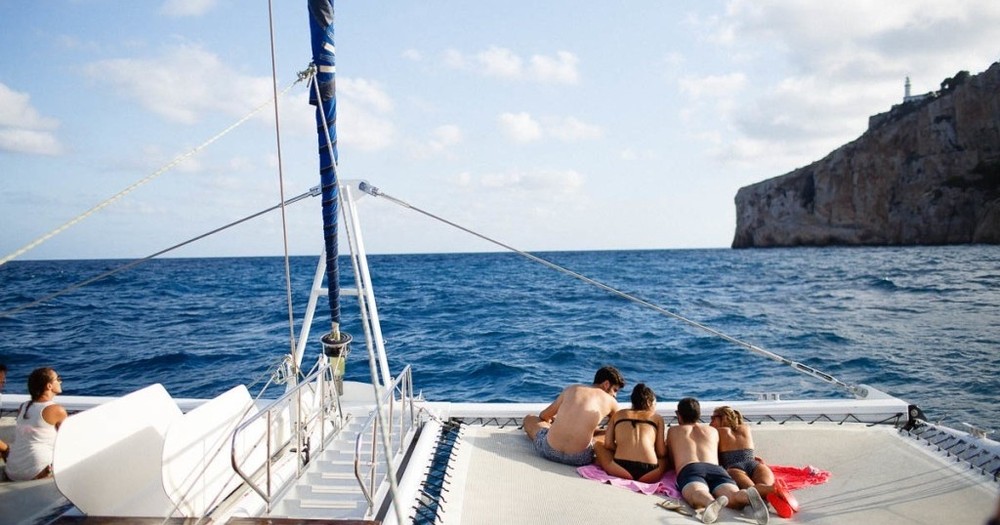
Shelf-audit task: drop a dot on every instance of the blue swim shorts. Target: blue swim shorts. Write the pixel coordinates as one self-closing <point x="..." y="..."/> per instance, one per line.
<point x="576" y="459"/>
<point x="706" y="473"/>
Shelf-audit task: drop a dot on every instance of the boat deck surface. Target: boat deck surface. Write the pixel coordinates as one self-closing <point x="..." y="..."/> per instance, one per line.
<point x="876" y="477"/>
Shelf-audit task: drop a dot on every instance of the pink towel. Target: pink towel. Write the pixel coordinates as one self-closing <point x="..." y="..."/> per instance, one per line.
<point x="794" y="478"/>
<point x="666" y="486"/>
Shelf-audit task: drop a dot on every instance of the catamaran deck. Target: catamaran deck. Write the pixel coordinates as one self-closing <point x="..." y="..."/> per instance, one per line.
<point x="493" y="475"/>
<point x="876" y="477"/>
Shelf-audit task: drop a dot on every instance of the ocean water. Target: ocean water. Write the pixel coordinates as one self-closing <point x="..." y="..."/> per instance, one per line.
<point x="922" y="323"/>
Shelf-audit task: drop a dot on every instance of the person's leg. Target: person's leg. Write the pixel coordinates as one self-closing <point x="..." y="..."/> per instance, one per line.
<point x="697" y="495"/>
<point x="741" y="498"/>
<point x="742" y="480"/>
<point x="606" y="459"/>
<point x="763" y="480"/>
<point x="762" y="475"/>
<point x="532" y="424"/>
<point x="713" y="509"/>
<point x="737" y="498"/>
<point x="713" y="506"/>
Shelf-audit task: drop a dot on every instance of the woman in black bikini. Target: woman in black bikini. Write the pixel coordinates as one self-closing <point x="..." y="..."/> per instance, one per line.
<point x="634" y="440"/>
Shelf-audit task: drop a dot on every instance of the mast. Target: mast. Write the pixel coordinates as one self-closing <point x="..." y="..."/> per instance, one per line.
<point x="323" y="95"/>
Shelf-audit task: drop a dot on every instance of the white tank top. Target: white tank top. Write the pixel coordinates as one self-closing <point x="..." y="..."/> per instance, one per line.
<point x="34" y="442"/>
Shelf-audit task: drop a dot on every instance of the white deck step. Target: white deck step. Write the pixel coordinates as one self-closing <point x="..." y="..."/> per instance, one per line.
<point x="328" y="488"/>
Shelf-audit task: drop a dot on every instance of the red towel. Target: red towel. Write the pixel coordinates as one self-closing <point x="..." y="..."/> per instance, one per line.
<point x="798" y="477"/>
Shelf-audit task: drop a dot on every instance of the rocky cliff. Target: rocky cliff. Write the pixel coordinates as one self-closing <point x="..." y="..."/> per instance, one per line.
<point x="926" y="172"/>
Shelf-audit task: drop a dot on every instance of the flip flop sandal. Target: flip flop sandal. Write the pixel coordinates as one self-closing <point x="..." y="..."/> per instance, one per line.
<point x="676" y="506"/>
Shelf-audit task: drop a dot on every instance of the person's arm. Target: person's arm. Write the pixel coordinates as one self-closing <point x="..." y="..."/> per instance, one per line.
<point x="661" y="438"/>
<point x="609" y="434"/>
<point x="605" y="452"/>
<point x="667" y="452"/>
<point x="54" y="415"/>
<point x="549" y="414"/>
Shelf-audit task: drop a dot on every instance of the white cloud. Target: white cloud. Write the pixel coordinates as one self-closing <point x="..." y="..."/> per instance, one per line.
<point x="712" y="85"/>
<point x="454" y="59"/>
<point x="520" y="127"/>
<point x="673" y="59"/>
<point x="413" y="54"/>
<point x="187" y="82"/>
<point x="22" y="128"/>
<point x="362" y="115"/>
<point x="501" y="62"/>
<point x="443" y="139"/>
<point x="30" y="142"/>
<point x="812" y="73"/>
<point x="571" y="129"/>
<point x="16" y="111"/>
<point x="632" y="154"/>
<point x="183" y="83"/>
<point x="559" y="69"/>
<point x="178" y="8"/>
<point x="541" y="180"/>
<point x="364" y="92"/>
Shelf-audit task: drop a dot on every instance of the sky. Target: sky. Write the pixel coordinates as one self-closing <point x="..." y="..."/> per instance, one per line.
<point x="551" y="125"/>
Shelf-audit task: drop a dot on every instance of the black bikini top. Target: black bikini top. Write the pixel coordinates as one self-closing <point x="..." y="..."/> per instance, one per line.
<point x="635" y="422"/>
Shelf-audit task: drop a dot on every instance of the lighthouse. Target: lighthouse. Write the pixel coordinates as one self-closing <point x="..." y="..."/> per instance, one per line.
<point x="909" y="97"/>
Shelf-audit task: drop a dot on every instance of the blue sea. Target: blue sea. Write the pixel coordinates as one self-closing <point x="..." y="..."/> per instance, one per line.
<point x="921" y="323"/>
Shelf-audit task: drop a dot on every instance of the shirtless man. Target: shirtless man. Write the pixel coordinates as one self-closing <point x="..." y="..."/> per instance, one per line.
<point x="694" y="449"/>
<point x="564" y="431"/>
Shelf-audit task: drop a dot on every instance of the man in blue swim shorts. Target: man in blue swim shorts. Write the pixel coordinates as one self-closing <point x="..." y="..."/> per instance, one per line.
<point x="694" y="449"/>
<point x="564" y="431"/>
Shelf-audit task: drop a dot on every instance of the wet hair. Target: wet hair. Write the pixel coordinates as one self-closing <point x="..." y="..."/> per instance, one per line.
<point x="3" y="368"/>
<point x="610" y="374"/>
<point x="688" y="410"/>
<point x="730" y="418"/>
<point x="38" y="380"/>
<point x="642" y="397"/>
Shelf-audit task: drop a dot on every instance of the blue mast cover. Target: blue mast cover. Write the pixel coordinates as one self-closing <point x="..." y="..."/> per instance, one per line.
<point x="321" y="29"/>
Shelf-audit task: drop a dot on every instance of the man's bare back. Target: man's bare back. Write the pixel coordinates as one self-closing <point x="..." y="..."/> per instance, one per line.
<point x="692" y="443"/>
<point x="564" y="431"/>
<point x="580" y="409"/>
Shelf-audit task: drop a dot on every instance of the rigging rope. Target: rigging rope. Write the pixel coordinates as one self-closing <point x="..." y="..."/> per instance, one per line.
<point x="795" y="365"/>
<point x="314" y="191"/>
<point x="281" y="184"/>
<point x="177" y="160"/>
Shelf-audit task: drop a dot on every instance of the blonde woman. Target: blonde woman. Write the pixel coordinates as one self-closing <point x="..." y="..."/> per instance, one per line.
<point x="736" y="455"/>
<point x="736" y="449"/>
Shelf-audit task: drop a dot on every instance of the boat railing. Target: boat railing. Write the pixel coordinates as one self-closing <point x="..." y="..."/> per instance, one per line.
<point x="310" y="409"/>
<point x="400" y="421"/>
